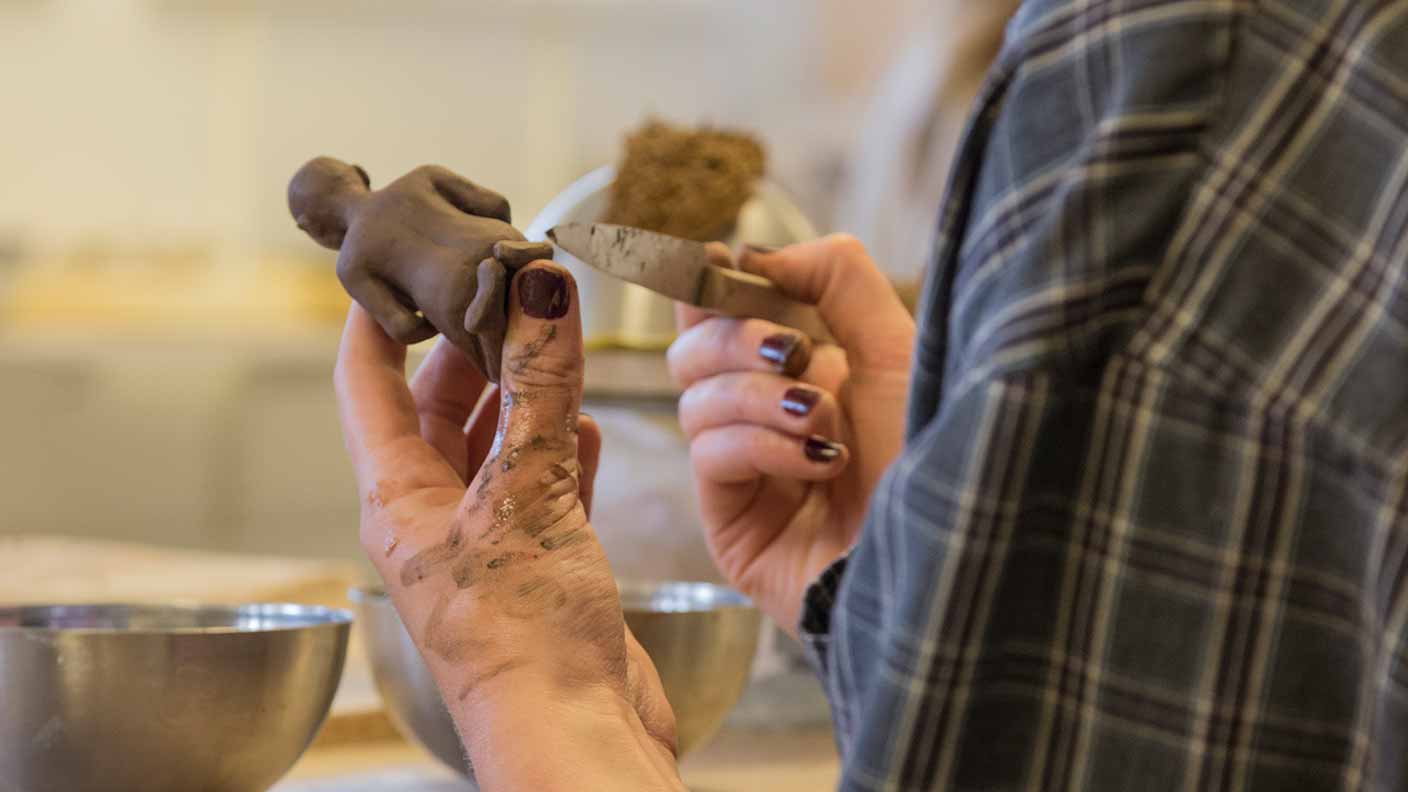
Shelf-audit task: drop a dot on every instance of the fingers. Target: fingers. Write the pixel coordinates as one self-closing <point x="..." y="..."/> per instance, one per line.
<point x="742" y="453"/>
<point x="588" y="456"/>
<point x="767" y="400"/>
<point x="467" y="196"/>
<point x="484" y="318"/>
<point x="855" y="298"/>
<point x="723" y="345"/>
<point x="398" y="321"/>
<point x="687" y="316"/>
<point x="379" y="419"/>
<point x="541" y="375"/>
<point x="446" y="388"/>
<point x="486" y="310"/>
<point x="517" y="255"/>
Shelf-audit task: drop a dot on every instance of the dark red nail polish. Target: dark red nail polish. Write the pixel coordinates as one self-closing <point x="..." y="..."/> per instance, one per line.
<point x="781" y="351"/>
<point x="819" y="449"/>
<point x="800" y="401"/>
<point x="543" y="294"/>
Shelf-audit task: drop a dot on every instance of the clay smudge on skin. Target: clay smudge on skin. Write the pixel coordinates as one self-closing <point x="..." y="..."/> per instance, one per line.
<point x="465" y="570"/>
<point x="391" y="544"/>
<point x="498" y="670"/>
<point x="535" y="443"/>
<point x="558" y="472"/>
<point x="423" y="564"/>
<point x="451" y="646"/>
<point x="501" y="561"/>
<point x="554" y="502"/>
<point x="535" y="597"/>
<point x="562" y="540"/>
<point x="521" y="362"/>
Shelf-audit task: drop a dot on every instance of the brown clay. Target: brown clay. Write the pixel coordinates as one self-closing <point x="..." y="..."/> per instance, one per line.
<point x="685" y="182"/>
<point x="430" y="252"/>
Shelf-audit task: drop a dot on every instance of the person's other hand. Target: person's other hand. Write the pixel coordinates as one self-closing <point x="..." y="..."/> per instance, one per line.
<point x="481" y="535"/>
<point x="788" y="440"/>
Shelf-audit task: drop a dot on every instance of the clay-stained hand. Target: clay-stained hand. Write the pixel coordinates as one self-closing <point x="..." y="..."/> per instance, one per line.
<point x="788" y="440"/>
<point x="477" y="520"/>
<point x="429" y="252"/>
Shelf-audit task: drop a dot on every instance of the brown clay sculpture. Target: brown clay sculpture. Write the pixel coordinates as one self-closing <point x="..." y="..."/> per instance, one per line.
<point x="685" y="182"/>
<point x="430" y="252"/>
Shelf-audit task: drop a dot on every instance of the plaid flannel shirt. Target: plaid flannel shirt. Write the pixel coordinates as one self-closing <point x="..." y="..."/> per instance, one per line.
<point x="1150" y="527"/>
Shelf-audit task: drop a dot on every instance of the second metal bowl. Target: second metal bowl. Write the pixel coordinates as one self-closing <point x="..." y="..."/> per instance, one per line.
<point x="701" y="637"/>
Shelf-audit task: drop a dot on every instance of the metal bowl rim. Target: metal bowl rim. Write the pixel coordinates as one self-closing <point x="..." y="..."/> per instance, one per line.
<point x="732" y="599"/>
<point x="297" y="617"/>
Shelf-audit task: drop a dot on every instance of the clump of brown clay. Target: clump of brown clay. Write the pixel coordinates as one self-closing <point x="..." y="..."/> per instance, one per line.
<point x="685" y="182"/>
<point x="430" y="252"/>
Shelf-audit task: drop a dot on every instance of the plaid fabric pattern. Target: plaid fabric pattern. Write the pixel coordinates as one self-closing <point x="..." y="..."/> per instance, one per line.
<point x="1150" y="529"/>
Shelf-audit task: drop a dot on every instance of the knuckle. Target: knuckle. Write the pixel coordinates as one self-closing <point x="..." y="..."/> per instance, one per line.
<point x="846" y="246"/>
<point x="349" y="268"/>
<point x="430" y="171"/>
<point x="707" y="403"/>
<point x="688" y="411"/>
<point x="675" y="358"/>
<point x="544" y="371"/>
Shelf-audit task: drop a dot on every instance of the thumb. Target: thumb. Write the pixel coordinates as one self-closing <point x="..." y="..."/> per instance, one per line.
<point x="541" y="380"/>
<point x="839" y="277"/>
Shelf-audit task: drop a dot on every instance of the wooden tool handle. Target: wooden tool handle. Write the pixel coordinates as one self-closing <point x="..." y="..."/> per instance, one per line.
<point x="745" y="295"/>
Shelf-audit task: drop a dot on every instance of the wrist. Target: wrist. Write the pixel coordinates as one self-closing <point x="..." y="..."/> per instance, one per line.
<point x="529" y="730"/>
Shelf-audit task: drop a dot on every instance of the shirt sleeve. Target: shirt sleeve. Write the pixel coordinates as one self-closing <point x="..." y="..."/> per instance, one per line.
<point x="1148" y="529"/>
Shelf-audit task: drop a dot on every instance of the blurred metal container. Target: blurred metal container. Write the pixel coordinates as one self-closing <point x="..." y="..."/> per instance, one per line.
<point x="615" y="313"/>
<point x="98" y="698"/>
<point x="701" y="637"/>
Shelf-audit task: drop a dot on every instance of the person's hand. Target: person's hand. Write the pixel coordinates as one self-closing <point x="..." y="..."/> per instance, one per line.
<point x="788" y="440"/>
<point x="482" y="537"/>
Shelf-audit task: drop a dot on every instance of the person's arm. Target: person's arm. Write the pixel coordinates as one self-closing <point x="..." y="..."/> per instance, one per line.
<point x="482" y="538"/>
<point x="532" y="733"/>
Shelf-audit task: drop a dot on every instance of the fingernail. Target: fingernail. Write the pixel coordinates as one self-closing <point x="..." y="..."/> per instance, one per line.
<point x="799" y="401"/>
<point x="543" y="294"/>
<point x="362" y="174"/>
<point x="819" y="449"/>
<point x="762" y="250"/>
<point x="781" y="350"/>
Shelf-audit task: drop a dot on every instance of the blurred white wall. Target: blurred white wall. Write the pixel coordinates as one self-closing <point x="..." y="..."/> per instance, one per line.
<point x="178" y="122"/>
<point x="148" y="120"/>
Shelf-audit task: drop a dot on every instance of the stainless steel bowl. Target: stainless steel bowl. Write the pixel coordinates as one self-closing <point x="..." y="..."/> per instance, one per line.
<point x="702" y="638"/>
<point x="102" y="698"/>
